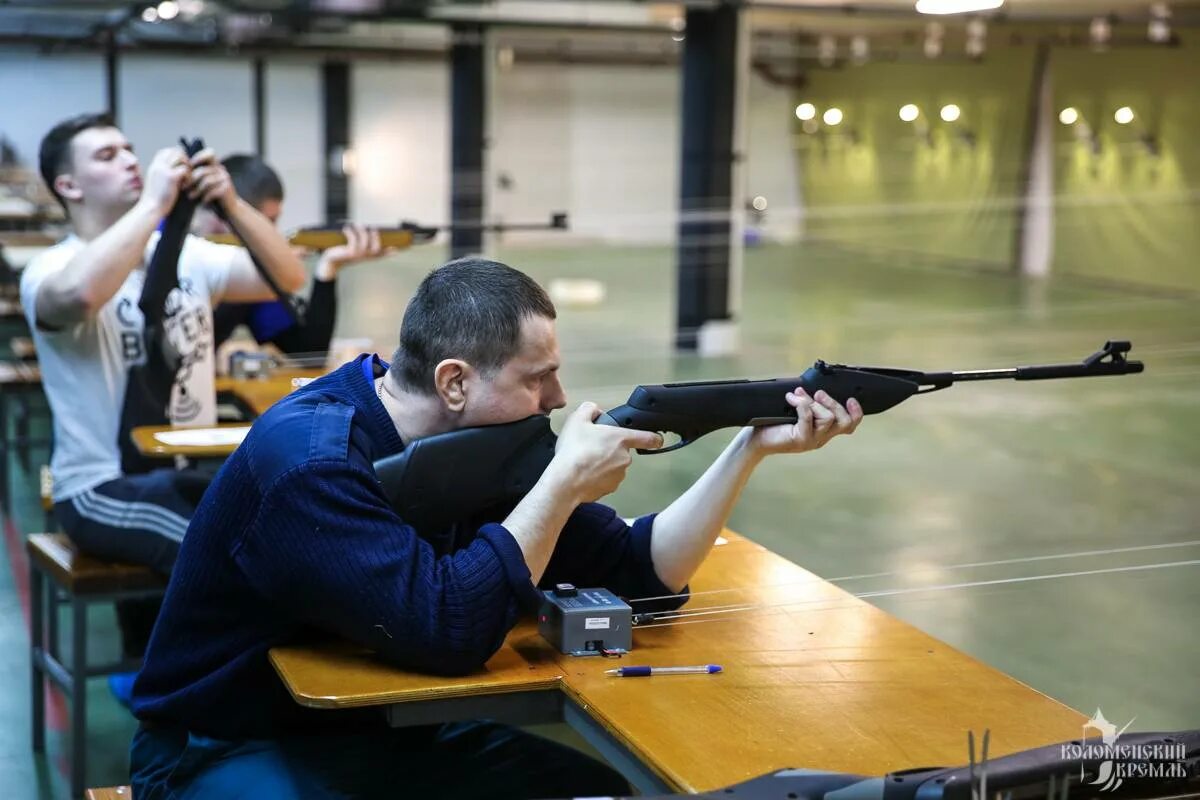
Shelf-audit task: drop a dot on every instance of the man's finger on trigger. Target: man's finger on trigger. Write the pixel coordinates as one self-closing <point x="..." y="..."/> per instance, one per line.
<point x="644" y="440"/>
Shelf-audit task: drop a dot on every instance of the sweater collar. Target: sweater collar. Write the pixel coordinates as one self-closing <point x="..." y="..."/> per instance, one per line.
<point x="384" y="436"/>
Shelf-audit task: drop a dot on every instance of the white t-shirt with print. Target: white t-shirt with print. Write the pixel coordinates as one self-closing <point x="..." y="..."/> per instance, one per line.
<point x="85" y="366"/>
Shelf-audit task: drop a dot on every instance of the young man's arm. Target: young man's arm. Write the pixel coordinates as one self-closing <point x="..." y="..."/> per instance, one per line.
<point x="684" y="532"/>
<point x="89" y="280"/>
<point x="211" y="184"/>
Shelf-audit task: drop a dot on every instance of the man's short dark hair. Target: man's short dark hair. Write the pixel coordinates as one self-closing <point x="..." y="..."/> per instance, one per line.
<point x="254" y="181"/>
<point x="471" y="309"/>
<point x="54" y="154"/>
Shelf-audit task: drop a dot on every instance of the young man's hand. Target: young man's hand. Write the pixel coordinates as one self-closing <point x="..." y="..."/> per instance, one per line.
<point x="210" y="182"/>
<point x="590" y="460"/>
<point x="165" y="176"/>
<point x="818" y="419"/>
<point x="362" y="244"/>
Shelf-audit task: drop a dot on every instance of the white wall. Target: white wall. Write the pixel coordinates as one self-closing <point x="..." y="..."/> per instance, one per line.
<point x="294" y="139"/>
<point x="530" y="143"/>
<point x="624" y="152"/>
<point x="160" y="98"/>
<point x="772" y="168"/>
<point x="400" y="129"/>
<point x="39" y="91"/>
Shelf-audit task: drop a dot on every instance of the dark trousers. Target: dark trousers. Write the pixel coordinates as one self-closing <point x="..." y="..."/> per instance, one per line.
<point x="457" y="761"/>
<point x="138" y="519"/>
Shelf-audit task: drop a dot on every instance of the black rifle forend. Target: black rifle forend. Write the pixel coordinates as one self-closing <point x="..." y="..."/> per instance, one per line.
<point x="442" y="479"/>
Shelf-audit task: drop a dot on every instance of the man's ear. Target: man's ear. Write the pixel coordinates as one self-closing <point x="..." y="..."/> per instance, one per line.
<point x="449" y="379"/>
<point x="65" y="186"/>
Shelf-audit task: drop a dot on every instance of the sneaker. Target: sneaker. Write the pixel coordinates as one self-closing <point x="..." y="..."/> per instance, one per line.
<point x="121" y="686"/>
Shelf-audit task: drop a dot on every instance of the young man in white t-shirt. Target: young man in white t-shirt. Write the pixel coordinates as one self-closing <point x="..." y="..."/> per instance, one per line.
<point x="81" y="299"/>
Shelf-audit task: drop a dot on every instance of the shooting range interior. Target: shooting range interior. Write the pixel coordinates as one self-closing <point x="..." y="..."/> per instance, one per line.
<point x="748" y="187"/>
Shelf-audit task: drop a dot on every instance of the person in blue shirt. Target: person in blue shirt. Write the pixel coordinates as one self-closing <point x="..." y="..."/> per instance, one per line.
<point x="295" y="539"/>
<point x="269" y="322"/>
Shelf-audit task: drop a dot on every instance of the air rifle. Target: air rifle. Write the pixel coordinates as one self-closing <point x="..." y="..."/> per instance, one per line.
<point x="441" y="479"/>
<point x="407" y="234"/>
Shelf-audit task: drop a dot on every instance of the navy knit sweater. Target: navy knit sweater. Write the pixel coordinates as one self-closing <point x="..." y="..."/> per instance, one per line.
<point x="295" y="538"/>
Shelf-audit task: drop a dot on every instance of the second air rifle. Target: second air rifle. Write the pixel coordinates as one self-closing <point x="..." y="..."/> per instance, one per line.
<point x="405" y="235"/>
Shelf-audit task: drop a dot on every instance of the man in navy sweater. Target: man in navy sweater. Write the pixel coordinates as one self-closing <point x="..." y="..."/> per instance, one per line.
<point x="296" y="538"/>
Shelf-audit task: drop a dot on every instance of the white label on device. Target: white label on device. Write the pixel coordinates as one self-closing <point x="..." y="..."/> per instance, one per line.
<point x="595" y="623"/>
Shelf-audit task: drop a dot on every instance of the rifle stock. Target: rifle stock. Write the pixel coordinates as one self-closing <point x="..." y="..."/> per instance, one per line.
<point x="325" y="237"/>
<point x="445" y="478"/>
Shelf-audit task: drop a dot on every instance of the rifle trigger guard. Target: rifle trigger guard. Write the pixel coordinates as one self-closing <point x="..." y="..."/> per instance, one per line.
<point x="683" y="442"/>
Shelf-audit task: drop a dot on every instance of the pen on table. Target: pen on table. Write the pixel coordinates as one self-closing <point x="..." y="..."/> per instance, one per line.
<point x="642" y="672"/>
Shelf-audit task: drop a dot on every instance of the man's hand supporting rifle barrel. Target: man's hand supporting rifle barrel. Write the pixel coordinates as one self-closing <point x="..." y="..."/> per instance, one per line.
<point x="438" y="480"/>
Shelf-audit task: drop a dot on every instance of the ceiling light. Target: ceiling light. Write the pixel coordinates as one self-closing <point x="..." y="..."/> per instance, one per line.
<point x="805" y="111"/>
<point x="832" y="116"/>
<point x="1123" y="115"/>
<point x="1068" y="116"/>
<point x="909" y="112"/>
<point x="956" y="6"/>
<point x="168" y="9"/>
<point x="950" y="112"/>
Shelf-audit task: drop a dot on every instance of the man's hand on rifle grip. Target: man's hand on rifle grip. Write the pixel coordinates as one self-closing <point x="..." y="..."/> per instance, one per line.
<point x="819" y="419"/>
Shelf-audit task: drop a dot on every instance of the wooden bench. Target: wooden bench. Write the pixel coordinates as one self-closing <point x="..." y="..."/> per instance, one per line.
<point x="110" y="793"/>
<point x="18" y="380"/>
<point x="80" y="581"/>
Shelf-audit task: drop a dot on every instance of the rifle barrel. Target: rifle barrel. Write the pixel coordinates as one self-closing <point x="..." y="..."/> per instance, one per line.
<point x="1039" y="372"/>
<point x="976" y="375"/>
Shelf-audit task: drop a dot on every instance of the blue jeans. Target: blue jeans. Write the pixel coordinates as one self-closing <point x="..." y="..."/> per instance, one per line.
<point x="454" y="761"/>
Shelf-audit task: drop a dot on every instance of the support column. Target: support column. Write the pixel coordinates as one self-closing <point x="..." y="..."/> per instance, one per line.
<point x="110" y="76"/>
<point x="335" y="85"/>
<point x="710" y="80"/>
<point x="259" y="89"/>
<point x="1035" y="228"/>
<point x="468" y="116"/>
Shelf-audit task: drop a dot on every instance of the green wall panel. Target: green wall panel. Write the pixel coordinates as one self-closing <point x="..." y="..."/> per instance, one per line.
<point x="1123" y="213"/>
<point x="876" y="182"/>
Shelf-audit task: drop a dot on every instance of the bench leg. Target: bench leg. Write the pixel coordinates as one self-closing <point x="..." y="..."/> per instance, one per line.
<point x="53" y="601"/>
<point x="21" y="424"/>
<point x="37" y="597"/>
<point x="4" y="448"/>
<point x="78" y="749"/>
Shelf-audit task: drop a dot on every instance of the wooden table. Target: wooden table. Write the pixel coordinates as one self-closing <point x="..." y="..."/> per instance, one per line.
<point x="257" y="393"/>
<point x="147" y="440"/>
<point x="826" y="682"/>
<point x="262" y="393"/>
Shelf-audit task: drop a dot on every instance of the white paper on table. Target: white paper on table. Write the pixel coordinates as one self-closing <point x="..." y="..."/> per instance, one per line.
<point x="203" y="437"/>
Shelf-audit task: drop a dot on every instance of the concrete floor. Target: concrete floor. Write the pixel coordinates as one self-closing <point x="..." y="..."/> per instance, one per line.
<point x="965" y="500"/>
